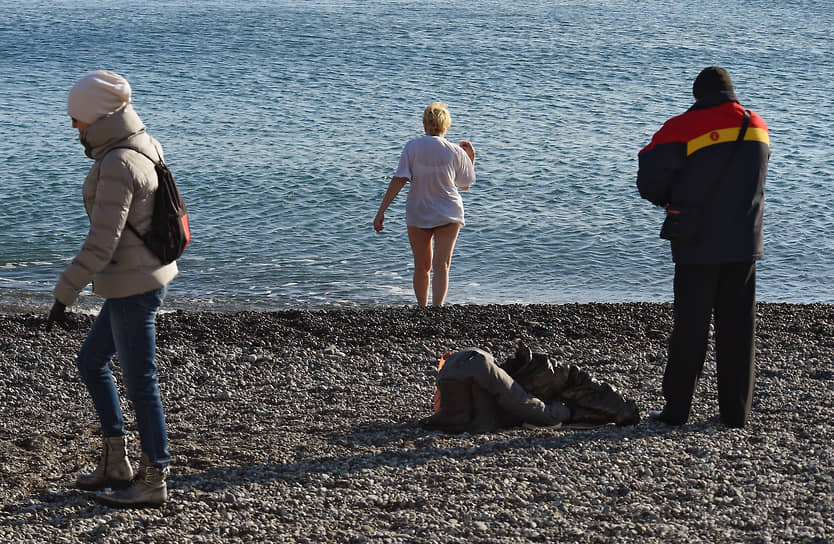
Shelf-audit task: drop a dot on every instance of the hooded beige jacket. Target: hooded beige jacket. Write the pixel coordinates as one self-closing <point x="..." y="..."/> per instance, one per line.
<point x="118" y="189"/>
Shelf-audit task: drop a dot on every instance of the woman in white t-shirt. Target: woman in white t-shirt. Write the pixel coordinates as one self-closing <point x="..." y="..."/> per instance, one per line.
<point x="437" y="169"/>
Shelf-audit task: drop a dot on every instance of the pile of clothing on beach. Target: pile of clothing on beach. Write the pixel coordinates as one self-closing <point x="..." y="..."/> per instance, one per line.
<point x="476" y="395"/>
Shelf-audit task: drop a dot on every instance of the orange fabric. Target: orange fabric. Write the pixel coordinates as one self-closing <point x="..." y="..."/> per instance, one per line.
<point x="436" y="392"/>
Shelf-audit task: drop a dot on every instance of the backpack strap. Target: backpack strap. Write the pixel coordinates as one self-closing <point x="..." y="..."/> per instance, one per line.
<point x="155" y="163"/>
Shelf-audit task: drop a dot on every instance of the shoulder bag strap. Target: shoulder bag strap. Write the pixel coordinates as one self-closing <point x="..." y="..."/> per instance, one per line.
<point x="714" y="187"/>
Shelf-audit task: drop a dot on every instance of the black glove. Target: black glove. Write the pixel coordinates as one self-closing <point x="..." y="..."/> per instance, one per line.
<point x="57" y="314"/>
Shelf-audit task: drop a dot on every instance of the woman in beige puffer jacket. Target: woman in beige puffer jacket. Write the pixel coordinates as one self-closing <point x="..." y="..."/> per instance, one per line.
<point x="118" y="190"/>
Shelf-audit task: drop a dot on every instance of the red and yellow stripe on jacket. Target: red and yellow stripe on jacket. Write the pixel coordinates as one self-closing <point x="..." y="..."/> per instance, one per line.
<point x="687" y="155"/>
<point x="699" y="129"/>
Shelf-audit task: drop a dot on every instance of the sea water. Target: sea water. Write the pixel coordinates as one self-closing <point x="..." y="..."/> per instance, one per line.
<point x="283" y="122"/>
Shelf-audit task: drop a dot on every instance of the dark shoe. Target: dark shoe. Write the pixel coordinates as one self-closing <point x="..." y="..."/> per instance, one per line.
<point x="147" y="490"/>
<point x="735" y="423"/>
<point x="113" y="471"/>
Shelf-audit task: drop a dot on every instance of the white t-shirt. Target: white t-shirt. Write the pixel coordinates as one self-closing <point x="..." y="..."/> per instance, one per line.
<point x="436" y="168"/>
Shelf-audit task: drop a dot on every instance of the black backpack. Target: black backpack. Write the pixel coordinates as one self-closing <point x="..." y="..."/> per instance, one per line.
<point x="169" y="234"/>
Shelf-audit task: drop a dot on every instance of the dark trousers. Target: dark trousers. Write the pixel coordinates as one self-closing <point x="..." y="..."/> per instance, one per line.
<point x="728" y="290"/>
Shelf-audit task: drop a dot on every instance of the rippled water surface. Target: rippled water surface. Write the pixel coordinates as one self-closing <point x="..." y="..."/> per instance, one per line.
<point x="283" y="122"/>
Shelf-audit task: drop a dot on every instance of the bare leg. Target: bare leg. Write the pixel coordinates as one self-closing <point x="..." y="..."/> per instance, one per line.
<point x="444" y="245"/>
<point x="421" y="248"/>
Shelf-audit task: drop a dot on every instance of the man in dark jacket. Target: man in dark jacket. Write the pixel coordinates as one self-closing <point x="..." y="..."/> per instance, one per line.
<point x="717" y="271"/>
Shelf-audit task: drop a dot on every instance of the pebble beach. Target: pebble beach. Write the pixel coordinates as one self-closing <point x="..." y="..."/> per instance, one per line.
<point x="301" y="426"/>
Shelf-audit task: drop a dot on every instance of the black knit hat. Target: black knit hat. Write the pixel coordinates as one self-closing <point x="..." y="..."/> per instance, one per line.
<point x="712" y="80"/>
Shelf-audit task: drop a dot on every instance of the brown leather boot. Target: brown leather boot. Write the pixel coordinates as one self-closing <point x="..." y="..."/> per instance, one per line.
<point x="113" y="471"/>
<point x="148" y="488"/>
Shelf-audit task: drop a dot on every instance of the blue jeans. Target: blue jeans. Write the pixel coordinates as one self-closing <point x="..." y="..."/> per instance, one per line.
<point x="127" y="326"/>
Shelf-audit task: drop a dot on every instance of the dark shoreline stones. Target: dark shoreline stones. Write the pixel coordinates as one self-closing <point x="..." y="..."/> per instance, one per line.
<point x="300" y="426"/>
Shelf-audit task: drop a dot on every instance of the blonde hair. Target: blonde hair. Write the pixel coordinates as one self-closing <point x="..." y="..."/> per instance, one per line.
<point x="436" y="118"/>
